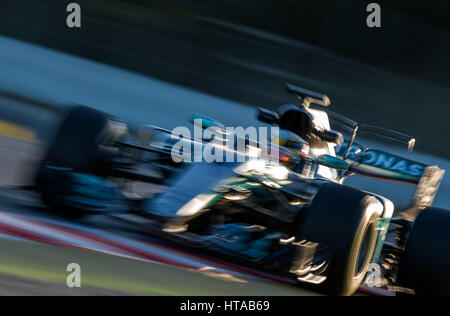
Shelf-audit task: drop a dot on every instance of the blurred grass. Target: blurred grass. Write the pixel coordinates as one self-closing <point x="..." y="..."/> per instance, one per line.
<point x="48" y="264"/>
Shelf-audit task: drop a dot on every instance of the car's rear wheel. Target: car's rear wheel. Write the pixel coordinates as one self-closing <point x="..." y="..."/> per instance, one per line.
<point x="345" y="221"/>
<point x="426" y="262"/>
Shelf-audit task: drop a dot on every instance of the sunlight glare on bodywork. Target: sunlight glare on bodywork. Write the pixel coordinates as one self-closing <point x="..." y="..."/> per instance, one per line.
<point x="270" y="169"/>
<point x="195" y="205"/>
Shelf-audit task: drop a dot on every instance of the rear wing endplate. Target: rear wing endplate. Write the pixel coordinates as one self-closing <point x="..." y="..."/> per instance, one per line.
<point x="427" y="187"/>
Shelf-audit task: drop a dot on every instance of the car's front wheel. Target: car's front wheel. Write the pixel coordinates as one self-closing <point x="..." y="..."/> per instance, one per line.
<point x="345" y="221"/>
<point x="79" y="146"/>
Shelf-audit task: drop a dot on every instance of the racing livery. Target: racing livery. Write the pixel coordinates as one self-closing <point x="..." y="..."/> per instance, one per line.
<point x="292" y="216"/>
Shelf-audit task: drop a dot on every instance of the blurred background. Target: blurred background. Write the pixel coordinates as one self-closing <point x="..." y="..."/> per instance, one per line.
<point x="395" y="76"/>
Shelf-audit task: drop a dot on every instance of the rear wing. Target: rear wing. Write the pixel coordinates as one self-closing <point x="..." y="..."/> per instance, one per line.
<point x="381" y="133"/>
<point x="386" y="166"/>
<point x="377" y="163"/>
<point x="383" y="165"/>
<point x="321" y="102"/>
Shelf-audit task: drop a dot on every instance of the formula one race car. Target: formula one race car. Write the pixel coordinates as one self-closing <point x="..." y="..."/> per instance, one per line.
<point x="291" y="215"/>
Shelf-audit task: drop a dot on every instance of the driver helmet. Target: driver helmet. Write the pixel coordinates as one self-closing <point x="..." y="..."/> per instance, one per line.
<point x="292" y="142"/>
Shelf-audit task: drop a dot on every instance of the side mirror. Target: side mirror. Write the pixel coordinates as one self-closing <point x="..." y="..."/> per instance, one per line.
<point x="333" y="162"/>
<point x="331" y="137"/>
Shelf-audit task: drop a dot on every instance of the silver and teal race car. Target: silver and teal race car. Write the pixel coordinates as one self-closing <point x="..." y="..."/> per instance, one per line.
<point x="291" y="215"/>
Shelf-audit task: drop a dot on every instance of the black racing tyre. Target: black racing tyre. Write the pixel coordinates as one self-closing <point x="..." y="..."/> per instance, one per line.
<point x="79" y="146"/>
<point x="426" y="262"/>
<point x="76" y="141"/>
<point x="345" y="220"/>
